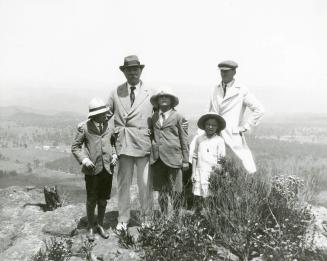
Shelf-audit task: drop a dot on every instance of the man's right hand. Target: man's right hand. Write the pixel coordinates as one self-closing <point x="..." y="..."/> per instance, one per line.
<point x="88" y="163"/>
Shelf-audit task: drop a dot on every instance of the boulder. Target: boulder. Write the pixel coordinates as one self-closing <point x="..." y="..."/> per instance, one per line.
<point x="63" y="221"/>
<point x="316" y="237"/>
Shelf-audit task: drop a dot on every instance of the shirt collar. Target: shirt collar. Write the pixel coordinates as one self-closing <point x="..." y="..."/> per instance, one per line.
<point x="96" y="123"/>
<point x="230" y="84"/>
<point x="167" y="113"/>
<point x="137" y="86"/>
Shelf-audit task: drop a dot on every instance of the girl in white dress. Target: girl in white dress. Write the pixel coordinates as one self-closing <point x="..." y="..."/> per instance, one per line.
<point x="209" y="148"/>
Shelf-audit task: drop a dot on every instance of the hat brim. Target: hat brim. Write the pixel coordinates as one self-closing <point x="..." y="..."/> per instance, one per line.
<point x="226" y="68"/>
<point x="122" y="67"/>
<point x="218" y="118"/>
<point x="154" y="99"/>
<point x="93" y="113"/>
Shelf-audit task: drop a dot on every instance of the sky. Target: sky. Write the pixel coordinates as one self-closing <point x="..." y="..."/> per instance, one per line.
<point x="78" y="46"/>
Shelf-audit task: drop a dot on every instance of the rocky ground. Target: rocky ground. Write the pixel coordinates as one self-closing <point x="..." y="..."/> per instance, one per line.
<point x="25" y="227"/>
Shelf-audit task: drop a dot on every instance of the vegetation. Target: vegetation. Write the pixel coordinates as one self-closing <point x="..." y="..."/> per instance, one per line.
<point x="56" y="249"/>
<point x="250" y="215"/>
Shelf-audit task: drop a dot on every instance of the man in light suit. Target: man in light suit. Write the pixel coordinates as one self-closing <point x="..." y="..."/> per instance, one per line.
<point x="230" y="100"/>
<point x="130" y="104"/>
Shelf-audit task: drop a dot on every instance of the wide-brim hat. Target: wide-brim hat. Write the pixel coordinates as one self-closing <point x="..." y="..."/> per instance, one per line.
<point x="168" y="92"/>
<point x="220" y="120"/>
<point x="131" y="61"/>
<point x="97" y="106"/>
<point x="227" y="65"/>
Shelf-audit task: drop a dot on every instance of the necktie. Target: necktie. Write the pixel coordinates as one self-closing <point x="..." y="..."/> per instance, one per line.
<point x="224" y="88"/>
<point x="100" y="128"/>
<point x="132" y="95"/>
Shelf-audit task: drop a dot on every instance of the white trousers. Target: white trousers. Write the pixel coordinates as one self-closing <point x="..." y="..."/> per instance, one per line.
<point x="124" y="180"/>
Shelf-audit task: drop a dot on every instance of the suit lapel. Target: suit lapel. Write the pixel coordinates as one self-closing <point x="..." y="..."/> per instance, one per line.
<point x="141" y="96"/>
<point x="105" y="127"/>
<point x="124" y="97"/>
<point x="156" y="121"/>
<point x="92" y="128"/>
<point x="232" y="91"/>
<point x="169" y="119"/>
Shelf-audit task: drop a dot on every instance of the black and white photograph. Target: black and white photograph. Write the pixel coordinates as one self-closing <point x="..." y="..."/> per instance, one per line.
<point x="163" y="130"/>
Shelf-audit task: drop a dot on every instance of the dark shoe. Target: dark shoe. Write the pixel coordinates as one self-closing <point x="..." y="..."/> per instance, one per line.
<point x="102" y="232"/>
<point x="90" y="234"/>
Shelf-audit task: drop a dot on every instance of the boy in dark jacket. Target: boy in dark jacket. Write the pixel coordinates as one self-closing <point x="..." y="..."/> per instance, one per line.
<point x="169" y="152"/>
<point x="98" y="158"/>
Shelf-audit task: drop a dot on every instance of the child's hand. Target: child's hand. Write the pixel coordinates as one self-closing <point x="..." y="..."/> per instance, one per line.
<point x="114" y="160"/>
<point x="185" y="125"/>
<point x="149" y="133"/>
<point x="185" y="166"/>
<point x="88" y="163"/>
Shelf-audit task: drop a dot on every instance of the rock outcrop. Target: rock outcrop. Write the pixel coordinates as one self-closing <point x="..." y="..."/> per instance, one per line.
<point x="317" y="232"/>
<point x="25" y="227"/>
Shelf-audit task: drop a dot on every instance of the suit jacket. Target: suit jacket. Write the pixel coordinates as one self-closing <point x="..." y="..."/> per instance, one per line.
<point x="170" y="141"/>
<point x="132" y="123"/>
<point x="232" y="108"/>
<point x="97" y="147"/>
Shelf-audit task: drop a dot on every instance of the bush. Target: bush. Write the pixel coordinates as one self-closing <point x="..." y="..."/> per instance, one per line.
<point x="181" y="236"/>
<point x="255" y="216"/>
<point x="56" y="249"/>
<point x="250" y="215"/>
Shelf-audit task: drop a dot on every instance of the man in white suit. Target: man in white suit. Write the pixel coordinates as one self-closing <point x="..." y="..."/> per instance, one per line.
<point x="132" y="110"/>
<point x="230" y="100"/>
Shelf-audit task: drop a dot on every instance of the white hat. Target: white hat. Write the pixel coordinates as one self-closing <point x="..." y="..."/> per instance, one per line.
<point x="97" y="106"/>
<point x="161" y="92"/>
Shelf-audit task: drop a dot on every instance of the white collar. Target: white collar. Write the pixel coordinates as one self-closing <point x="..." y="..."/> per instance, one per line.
<point x="228" y="85"/>
<point x="137" y="86"/>
<point x="167" y="113"/>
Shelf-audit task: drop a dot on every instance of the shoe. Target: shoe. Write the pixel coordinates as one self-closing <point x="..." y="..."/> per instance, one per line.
<point x="102" y="232"/>
<point x="90" y="235"/>
<point x="121" y="226"/>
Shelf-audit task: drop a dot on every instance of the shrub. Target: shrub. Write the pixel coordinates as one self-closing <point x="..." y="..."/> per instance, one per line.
<point x="234" y="209"/>
<point x="256" y="216"/>
<point x="180" y="236"/>
<point x="251" y="215"/>
<point x="56" y="249"/>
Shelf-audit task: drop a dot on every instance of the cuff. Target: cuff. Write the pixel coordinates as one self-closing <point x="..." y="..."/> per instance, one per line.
<point x="85" y="160"/>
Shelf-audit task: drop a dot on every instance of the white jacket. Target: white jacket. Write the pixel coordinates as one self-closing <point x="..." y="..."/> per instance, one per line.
<point x="232" y="108"/>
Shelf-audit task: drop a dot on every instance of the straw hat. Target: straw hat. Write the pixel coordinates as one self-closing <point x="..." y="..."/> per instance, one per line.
<point x="210" y="115"/>
<point x="165" y="91"/>
<point x="97" y="106"/>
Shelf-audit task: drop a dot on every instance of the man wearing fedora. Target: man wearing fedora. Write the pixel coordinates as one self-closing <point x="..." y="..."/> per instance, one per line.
<point x="97" y="158"/>
<point x="132" y="110"/>
<point x="230" y="100"/>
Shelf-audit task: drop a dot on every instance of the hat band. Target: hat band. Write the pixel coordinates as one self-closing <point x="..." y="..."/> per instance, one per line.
<point x="132" y="63"/>
<point x="98" y="108"/>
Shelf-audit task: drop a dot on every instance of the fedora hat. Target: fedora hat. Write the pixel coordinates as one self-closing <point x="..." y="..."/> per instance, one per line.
<point x="97" y="106"/>
<point x="212" y="115"/>
<point x="167" y="92"/>
<point x="131" y="61"/>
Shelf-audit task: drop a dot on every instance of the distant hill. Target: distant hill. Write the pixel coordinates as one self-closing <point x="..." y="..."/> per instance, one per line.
<point x="32" y="117"/>
<point x="299" y="119"/>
